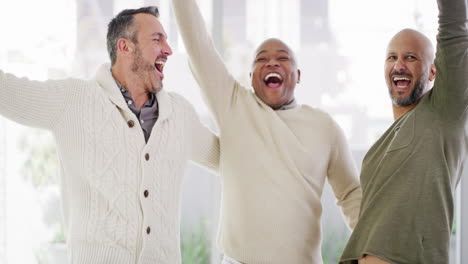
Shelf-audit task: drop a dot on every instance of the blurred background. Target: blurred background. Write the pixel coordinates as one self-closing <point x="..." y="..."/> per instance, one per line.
<point x="340" y="47"/>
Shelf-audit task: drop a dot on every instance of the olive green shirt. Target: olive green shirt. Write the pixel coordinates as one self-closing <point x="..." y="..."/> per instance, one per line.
<point x="410" y="174"/>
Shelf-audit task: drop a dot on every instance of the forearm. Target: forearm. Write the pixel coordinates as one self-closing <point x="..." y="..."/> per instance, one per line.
<point x="206" y="64"/>
<point x="347" y="189"/>
<point x="453" y="31"/>
<point x="350" y="205"/>
<point x="343" y="178"/>
<point x="451" y="81"/>
<point x="31" y="103"/>
<point x="452" y="17"/>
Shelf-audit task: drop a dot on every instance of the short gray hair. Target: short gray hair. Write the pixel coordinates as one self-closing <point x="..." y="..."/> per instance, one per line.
<point x="121" y="27"/>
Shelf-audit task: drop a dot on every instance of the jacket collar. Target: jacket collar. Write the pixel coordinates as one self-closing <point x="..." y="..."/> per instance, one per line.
<point x="107" y="82"/>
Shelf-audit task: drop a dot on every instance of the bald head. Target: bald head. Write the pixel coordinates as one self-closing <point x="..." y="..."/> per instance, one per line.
<point x="412" y="40"/>
<point x="274" y="42"/>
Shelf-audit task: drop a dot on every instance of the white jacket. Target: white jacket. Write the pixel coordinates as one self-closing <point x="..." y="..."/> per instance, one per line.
<point x="106" y="166"/>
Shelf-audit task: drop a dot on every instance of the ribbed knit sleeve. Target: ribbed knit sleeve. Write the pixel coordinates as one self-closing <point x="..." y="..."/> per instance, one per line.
<point x="343" y="177"/>
<point x="204" y="144"/>
<point x="217" y="85"/>
<point x="451" y="84"/>
<point x="34" y="103"/>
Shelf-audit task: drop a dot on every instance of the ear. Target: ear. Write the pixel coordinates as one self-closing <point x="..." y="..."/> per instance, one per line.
<point x="125" y="46"/>
<point x="432" y="73"/>
<point x="298" y="76"/>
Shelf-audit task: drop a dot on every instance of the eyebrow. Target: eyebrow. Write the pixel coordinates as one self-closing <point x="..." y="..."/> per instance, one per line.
<point x="404" y="53"/>
<point x="159" y="34"/>
<point x="280" y="50"/>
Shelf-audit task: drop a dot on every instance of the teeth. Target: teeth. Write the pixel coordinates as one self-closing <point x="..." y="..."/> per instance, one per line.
<point x="396" y="79"/>
<point x="160" y="63"/>
<point x="273" y="74"/>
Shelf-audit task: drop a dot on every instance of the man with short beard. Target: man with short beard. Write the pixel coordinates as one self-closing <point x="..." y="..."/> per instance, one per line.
<point x="275" y="154"/>
<point x="410" y="174"/>
<point x="123" y="144"/>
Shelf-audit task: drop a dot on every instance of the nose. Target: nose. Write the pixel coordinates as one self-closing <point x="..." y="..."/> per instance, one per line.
<point x="272" y="62"/>
<point x="399" y="65"/>
<point x="166" y="50"/>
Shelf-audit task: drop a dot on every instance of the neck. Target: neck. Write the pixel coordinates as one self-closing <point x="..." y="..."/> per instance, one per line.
<point x="132" y="83"/>
<point x="289" y="105"/>
<point x="399" y="111"/>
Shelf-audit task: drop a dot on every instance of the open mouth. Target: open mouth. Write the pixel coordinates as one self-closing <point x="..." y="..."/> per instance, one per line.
<point x="401" y="82"/>
<point x="273" y="80"/>
<point x="159" y="65"/>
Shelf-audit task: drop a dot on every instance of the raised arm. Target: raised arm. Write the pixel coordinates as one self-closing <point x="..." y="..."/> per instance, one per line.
<point x="451" y="83"/>
<point x="32" y="103"/>
<point x="343" y="178"/>
<point x="217" y="85"/>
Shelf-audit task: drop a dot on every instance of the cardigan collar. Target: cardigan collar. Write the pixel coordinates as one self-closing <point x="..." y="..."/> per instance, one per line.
<point x="107" y="82"/>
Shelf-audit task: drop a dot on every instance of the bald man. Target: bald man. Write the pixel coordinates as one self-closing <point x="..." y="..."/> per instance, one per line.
<point x="410" y="174"/>
<point x="275" y="153"/>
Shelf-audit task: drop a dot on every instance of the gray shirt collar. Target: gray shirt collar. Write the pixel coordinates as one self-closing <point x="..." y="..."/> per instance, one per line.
<point x="147" y="115"/>
<point x="291" y="105"/>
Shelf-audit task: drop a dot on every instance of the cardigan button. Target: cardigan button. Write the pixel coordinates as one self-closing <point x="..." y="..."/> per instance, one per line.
<point x="130" y="123"/>
<point x="146" y="156"/>
<point x="146" y="193"/>
<point x="148" y="230"/>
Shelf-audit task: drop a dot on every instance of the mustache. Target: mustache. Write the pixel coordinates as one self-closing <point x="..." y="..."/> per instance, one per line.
<point x="401" y="74"/>
<point x="162" y="56"/>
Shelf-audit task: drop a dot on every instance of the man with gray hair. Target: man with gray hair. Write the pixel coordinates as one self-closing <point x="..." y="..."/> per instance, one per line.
<point x="123" y="143"/>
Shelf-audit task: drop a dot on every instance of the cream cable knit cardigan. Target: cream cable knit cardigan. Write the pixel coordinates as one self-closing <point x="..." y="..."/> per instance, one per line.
<point x="106" y="167"/>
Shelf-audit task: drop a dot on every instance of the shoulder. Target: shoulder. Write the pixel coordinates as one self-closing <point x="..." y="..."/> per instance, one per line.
<point x="320" y="120"/>
<point x="82" y="84"/>
<point x="178" y="100"/>
<point x="178" y="105"/>
<point x="316" y="115"/>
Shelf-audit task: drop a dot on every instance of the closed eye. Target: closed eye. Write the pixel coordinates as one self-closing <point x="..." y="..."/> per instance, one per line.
<point x="158" y="37"/>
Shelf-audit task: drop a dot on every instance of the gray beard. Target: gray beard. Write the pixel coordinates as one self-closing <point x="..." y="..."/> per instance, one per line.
<point x="415" y="95"/>
<point x="140" y="68"/>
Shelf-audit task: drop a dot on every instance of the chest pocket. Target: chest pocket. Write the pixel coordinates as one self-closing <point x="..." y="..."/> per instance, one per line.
<point x="403" y="134"/>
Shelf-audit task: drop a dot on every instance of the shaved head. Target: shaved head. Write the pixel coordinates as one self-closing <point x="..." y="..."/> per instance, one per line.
<point x="262" y="48"/>
<point x="410" y="35"/>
